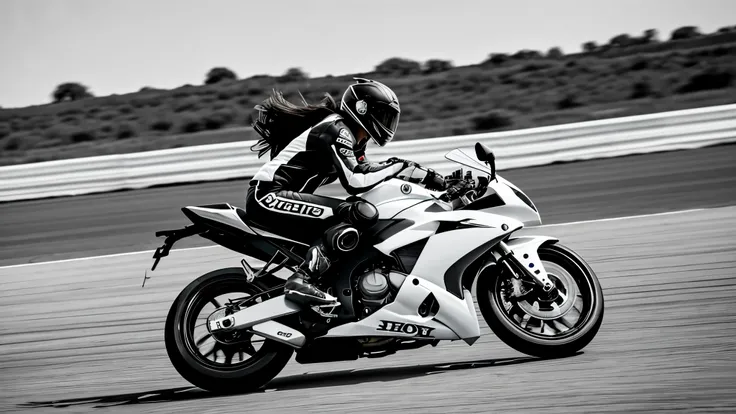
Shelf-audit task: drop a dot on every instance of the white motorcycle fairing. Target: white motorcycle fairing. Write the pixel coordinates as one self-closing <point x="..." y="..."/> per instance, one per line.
<point x="454" y="240"/>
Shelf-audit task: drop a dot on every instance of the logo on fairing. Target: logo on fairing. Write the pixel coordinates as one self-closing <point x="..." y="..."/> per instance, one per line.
<point x="361" y="107"/>
<point x="273" y="202"/>
<point x="405" y="188"/>
<point x="406" y="328"/>
<point x="346" y="152"/>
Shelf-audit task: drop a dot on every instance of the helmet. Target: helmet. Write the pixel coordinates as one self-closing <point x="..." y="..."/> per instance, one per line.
<point x="373" y="106"/>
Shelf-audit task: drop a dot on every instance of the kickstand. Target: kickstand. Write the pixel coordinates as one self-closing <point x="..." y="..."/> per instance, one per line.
<point x="145" y="277"/>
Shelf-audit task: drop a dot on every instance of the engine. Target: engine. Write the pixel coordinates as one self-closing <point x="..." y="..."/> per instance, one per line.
<point x="377" y="288"/>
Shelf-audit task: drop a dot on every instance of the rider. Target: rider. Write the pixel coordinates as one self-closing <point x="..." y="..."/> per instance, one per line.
<point x="310" y="146"/>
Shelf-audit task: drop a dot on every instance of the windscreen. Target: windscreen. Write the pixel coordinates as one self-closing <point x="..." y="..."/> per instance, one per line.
<point x="461" y="157"/>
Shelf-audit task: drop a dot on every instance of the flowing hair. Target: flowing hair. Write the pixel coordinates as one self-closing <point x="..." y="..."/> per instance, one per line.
<point x="280" y="121"/>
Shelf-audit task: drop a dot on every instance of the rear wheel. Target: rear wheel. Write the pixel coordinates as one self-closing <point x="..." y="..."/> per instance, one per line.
<point x="227" y="362"/>
<point x="539" y="324"/>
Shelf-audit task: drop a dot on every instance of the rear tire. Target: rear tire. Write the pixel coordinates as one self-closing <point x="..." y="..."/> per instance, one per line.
<point x="510" y="325"/>
<point x="244" y="376"/>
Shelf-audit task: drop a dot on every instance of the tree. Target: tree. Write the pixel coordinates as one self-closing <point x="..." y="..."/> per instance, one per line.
<point x="621" y="40"/>
<point x="399" y="67"/>
<point x="70" y="91"/>
<point x="527" y="54"/>
<point x="685" y="32"/>
<point x="590" y="47"/>
<point x="727" y="29"/>
<point x="651" y="36"/>
<point x="437" y="65"/>
<point x="219" y="74"/>
<point x="555" y="53"/>
<point x="497" y="58"/>
<point x="293" y="75"/>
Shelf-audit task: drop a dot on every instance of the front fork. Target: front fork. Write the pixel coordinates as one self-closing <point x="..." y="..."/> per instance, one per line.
<point x="524" y="260"/>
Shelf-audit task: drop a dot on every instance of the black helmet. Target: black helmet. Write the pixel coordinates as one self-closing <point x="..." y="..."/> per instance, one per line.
<point x="373" y="106"/>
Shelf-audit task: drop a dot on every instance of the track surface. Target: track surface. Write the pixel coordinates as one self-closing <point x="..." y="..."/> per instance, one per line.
<point x="43" y="230"/>
<point x="83" y="334"/>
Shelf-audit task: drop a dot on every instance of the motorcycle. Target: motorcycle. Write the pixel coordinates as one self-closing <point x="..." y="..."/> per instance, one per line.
<point x="406" y="284"/>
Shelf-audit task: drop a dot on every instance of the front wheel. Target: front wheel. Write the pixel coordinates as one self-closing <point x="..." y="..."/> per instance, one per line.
<point x="535" y="323"/>
<point x="227" y="362"/>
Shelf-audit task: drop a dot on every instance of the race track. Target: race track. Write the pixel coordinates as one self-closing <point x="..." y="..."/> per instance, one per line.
<point x="80" y="335"/>
<point x="62" y="228"/>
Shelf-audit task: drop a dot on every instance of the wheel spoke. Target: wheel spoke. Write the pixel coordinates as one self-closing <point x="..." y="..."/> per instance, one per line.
<point x="563" y="320"/>
<point x="203" y="339"/>
<point x="525" y="321"/>
<point x="213" y="351"/>
<point x="215" y="303"/>
<point x="228" y="357"/>
<point x="248" y="349"/>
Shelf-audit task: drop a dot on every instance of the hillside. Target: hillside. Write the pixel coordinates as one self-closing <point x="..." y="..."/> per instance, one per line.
<point x="505" y="92"/>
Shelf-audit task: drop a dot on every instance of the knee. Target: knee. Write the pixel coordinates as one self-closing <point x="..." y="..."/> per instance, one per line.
<point x="360" y="214"/>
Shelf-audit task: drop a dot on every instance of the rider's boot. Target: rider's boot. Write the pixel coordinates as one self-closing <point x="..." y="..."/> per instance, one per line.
<point x="298" y="287"/>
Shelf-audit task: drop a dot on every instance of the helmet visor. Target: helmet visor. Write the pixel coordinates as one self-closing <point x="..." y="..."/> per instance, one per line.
<point x="387" y="117"/>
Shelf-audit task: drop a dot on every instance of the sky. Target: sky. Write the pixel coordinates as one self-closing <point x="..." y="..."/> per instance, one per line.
<point x="119" y="46"/>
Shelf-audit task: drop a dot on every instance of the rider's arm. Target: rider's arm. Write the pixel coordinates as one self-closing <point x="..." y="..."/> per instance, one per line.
<point x="356" y="177"/>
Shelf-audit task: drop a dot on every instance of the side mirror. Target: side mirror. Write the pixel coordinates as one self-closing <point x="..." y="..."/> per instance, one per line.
<point x="485" y="154"/>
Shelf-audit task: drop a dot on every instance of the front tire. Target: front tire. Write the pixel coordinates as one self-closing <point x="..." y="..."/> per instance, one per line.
<point x="194" y="365"/>
<point x="536" y="325"/>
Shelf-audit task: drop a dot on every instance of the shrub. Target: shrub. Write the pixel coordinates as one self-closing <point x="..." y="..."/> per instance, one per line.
<point x="525" y="54"/>
<point x="255" y="90"/>
<point x="4" y="130"/>
<point x="589" y="47"/>
<point x="188" y="104"/>
<point x="219" y="74"/>
<point x="126" y="130"/>
<point x="106" y="128"/>
<point x="225" y="95"/>
<point x="191" y="123"/>
<point x="217" y="119"/>
<point x="491" y="120"/>
<point x="640" y="89"/>
<point x="685" y="32"/>
<point x="293" y="75"/>
<point x="21" y="141"/>
<point x="108" y="115"/>
<point x="555" y="53"/>
<point x="71" y="111"/>
<point x="568" y="101"/>
<point x="639" y="64"/>
<point x="707" y="80"/>
<point x="161" y="125"/>
<point x="398" y="67"/>
<point x="125" y="109"/>
<point x="437" y="66"/>
<point x="78" y="134"/>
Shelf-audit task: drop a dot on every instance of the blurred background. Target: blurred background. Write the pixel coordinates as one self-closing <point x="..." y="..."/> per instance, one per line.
<point x="82" y="77"/>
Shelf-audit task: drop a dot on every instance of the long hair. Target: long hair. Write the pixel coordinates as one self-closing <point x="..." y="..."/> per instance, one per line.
<point x="280" y="121"/>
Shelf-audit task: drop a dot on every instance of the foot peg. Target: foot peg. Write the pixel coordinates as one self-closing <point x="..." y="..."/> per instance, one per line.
<point x="326" y="314"/>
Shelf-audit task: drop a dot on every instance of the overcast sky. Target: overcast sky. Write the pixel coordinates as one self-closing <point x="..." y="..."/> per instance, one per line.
<point x="119" y="46"/>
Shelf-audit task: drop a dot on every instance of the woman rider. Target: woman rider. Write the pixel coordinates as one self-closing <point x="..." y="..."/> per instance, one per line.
<point x="311" y="146"/>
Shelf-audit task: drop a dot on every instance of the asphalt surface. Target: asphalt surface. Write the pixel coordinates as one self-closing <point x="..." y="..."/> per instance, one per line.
<point x="62" y="228"/>
<point x="82" y="336"/>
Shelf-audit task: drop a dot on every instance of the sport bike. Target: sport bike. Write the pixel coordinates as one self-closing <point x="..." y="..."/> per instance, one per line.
<point x="403" y="284"/>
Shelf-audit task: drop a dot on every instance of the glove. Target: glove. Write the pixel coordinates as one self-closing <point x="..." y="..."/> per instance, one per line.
<point x="433" y="181"/>
<point x="459" y="188"/>
<point x="407" y="163"/>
